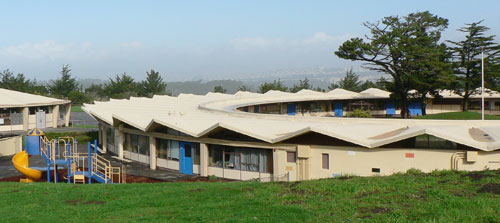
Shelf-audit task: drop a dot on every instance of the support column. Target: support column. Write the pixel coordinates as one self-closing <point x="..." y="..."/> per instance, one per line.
<point x="67" y="115"/>
<point x="55" y="116"/>
<point x="276" y="169"/>
<point x="152" y="153"/>
<point x="100" y="133"/>
<point x="104" y="137"/>
<point x="26" y="118"/>
<point x="203" y="160"/>
<point x="121" y="140"/>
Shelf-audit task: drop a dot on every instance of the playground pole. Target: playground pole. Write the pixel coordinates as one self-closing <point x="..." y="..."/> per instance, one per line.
<point x="90" y="164"/>
<point x="68" y="160"/>
<point x="56" y="146"/>
<point x="48" y="165"/>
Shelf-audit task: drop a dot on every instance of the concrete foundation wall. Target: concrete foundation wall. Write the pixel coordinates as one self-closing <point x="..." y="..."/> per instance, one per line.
<point x="5" y="128"/>
<point x="360" y="161"/>
<point x="11" y="145"/>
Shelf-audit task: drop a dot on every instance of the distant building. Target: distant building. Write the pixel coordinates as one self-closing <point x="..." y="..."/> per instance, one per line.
<point x="289" y="136"/>
<point x="23" y="111"/>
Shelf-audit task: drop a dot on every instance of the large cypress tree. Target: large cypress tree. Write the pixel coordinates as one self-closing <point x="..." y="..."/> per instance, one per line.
<point x="399" y="47"/>
<point x="153" y="84"/>
<point x="65" y="84"/>
<point x="467" y="60"/>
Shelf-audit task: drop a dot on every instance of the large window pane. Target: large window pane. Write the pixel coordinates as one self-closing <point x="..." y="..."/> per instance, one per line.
<point x="162" y="148"/>
<point x="238" y="158"/>
<point x="174" y="150"/>
<point x="143" y="145"/>
<point x="215" y="156"/>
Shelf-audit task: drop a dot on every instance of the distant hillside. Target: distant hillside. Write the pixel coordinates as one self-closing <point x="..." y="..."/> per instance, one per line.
<point x="202" y="87"/>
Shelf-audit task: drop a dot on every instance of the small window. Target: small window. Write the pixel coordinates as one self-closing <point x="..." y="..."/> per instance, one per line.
<point x="375" y="170"/>
<point x="291" y="157"/>
<point x="187" y="150"/>
<point x="325" y="161"/>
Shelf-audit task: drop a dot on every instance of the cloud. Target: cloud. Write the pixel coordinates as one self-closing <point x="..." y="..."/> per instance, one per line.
<point x="47" y="49"/>
<point x="318" y="38"/>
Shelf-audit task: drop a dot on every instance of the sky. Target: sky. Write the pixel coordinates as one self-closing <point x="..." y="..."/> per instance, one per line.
<point x="190" y="40"/>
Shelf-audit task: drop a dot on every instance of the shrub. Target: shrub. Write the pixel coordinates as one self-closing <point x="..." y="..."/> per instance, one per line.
<point x="358" y="113"/>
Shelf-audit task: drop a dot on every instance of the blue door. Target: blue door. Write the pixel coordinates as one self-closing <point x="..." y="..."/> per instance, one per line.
<point x="415" y="108"/>
<point x="339" y="111"/>
<point x="291" y="109"/>
<point x="390" y="108"/>
<point x="256" y="109"/>
<point x="186" y="157"/>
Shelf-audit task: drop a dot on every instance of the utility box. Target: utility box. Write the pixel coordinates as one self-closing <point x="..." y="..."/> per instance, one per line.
<point x="303" y="151"/>
<point x="471" y="156"/>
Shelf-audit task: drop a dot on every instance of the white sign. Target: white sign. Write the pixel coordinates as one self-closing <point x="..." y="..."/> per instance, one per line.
<point x="351" y="153"/>
<point x="1" y="121"/>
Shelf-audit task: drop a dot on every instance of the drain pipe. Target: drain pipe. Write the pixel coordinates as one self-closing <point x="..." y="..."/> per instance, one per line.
<point x="455" y="158"/>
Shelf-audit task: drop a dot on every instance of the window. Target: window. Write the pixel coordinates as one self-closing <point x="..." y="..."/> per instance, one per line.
<point x="238" y="158"/>
<point x="291" y="157"/>
<point x="429" y="141"/>
<point x="168" y="149"/>
<point x="187" y="150"/>
<point x="196" y="153"/>
<point x="375" y="170"/>
<point x="215" y="156"/>
<point x="143" y="145"/>
<point x="325" y="161"/>
<point x="230" y="159"/>
<point x="110" y="136"/>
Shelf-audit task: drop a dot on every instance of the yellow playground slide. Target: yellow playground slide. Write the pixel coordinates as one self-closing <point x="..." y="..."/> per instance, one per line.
<point x="20" y="161"/>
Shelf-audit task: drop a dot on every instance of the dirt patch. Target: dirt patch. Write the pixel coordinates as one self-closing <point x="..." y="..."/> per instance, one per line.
<point x="460" y="193"/>
<point x="197" y="190"/>
<point x="443" y="181"/>
<point x="421" y="195"/>
<point x="343" y="177"/>
<point x="141" y="179"/>
<point x="366" y="194"/>
<point x="298" y="191"/>
<point x="289" y="184"/>
<point x="73" y="202"/>
<point x="94" y="202"/>
<point x="15" y="191"/>
<point x="379" y="210"/>
<point x="293" y="202"/>
<point x="490" y="188"/>
<point x="249" y="189"/>
<point x="204" y="179"/>
<point x="477" y="176"/>
<point x="62" y="178"/>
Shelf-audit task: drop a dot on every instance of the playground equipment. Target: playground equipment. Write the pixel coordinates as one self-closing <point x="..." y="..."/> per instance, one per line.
<point x="63" y="152"/>
<point x="20" y="161"/>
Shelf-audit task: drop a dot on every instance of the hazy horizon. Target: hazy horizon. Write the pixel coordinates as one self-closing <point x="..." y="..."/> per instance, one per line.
<point x="200" y="40"/>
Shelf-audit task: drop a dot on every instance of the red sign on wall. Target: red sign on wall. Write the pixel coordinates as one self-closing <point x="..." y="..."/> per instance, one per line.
<point x="410" y="155"/>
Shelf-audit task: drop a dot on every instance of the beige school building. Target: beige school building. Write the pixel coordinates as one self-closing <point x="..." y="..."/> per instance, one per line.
<point x="22" y="111"/>
<point x="231" y="136"/>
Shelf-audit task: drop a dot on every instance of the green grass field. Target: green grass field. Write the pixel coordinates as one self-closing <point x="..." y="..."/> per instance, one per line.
<point x="82" y="137"/>
<point x="76" y="108"/>
<point x="459" y="116"/>
<point x="442" y="196"/>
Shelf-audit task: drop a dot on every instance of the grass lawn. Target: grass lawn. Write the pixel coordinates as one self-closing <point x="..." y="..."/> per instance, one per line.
<point x="442" y="196"/>
<point x="82" y="137"/>
<point x="85" y="126"/>
<point x="76" y="108"/>
<point x="459" y="116"/>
